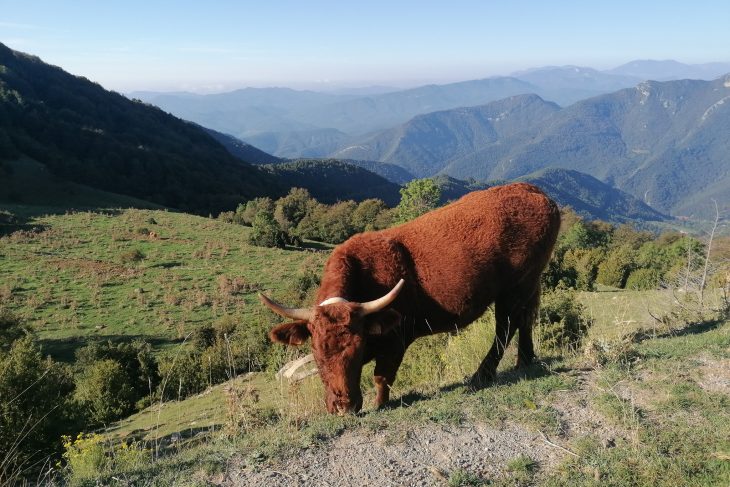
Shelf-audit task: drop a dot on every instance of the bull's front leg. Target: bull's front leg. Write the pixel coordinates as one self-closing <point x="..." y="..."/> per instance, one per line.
<point x="386" y="368"/>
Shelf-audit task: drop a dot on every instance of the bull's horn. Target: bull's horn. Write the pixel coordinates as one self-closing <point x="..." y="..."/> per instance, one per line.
<point x="293" y="313"/>
<point x="289" y="370"/>
<point x="381" y="303"/>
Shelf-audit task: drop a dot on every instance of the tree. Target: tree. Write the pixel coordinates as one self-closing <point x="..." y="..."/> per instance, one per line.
<point x="245" y="214"/>
<point x="292" y="208"/>
<point x="616" y="268"/>
<point x="336" y="224"/>
<point x="104" y="388"/>
<point x="366" y="215"/>
<point x="265" y="232"/>
<point x="417" y="197"/>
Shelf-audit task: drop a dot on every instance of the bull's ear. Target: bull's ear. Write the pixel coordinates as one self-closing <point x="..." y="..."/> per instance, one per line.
<point x="382" y="322"/>
<point x="294" y="333"/>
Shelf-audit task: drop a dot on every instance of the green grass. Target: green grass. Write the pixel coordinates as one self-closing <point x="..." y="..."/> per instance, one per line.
<point x="672" y="431"/>
<point x="71" y="281"/>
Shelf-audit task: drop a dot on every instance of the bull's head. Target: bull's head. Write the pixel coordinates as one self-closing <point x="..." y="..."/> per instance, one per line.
<point x="338" y="329"/>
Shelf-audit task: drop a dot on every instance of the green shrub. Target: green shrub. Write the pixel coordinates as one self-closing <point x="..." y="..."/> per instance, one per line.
<point x="562" y="323"/>
<point x="182" y="375"/>
<point x="265" y="231"/>
<point x="644" y="279"/>
<point x="304" y="281"/>
<point x="203" y="337"/>
<point x="105" y="391"/>
<point x="11" y="329"/>
<point x="245" y="214"/>
<point x="615" y="269"/>
<point x="35" y="409"/>
<point x="136" y="359"/>
<point x="89" y="458"/>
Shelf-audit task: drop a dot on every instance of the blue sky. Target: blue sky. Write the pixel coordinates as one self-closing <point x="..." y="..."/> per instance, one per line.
<point x="220" y="45"/>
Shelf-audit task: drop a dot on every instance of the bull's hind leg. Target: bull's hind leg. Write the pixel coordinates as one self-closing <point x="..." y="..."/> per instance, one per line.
<point x="504" y="331"/>
<point x="527" y="314"/>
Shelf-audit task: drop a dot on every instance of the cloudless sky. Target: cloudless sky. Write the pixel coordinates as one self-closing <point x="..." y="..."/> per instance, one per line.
<point x="220" y="45"/>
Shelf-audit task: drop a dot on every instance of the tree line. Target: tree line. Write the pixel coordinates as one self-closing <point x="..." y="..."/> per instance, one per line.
<point x="298" y="216"/>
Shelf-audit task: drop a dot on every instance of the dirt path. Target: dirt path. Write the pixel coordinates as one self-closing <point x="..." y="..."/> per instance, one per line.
<point x="430" y="454"/>
<point x="424" y="456"/>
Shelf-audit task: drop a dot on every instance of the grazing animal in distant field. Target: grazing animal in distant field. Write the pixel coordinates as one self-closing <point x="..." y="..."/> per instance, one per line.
<point x="382" y="290"/>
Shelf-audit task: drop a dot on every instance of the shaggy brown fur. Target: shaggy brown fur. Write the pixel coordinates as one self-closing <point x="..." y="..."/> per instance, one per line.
<point x="488" y="247"/>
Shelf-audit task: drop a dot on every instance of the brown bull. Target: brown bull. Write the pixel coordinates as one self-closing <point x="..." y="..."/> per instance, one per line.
<point x="382" y="290"/>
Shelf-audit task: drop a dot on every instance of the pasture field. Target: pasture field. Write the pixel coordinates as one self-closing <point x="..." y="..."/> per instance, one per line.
<point x="640" y="403"/>
<point x="150" y="274"/>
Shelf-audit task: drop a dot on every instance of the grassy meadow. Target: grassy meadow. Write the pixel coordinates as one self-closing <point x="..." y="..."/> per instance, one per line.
<point x="641" y="402"/>
<point x="138" y="273"/>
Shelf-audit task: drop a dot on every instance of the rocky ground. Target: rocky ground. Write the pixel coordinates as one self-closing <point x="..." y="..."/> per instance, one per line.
<point x="434" y="454"/>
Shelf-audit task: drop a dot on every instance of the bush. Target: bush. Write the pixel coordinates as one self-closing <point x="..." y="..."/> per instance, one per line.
<point x="105" y="390"/>
<point x="89" y="459"/>
<point x="304" y="281"/>
<point x="562" y="323"/>
<point x="616" y="268"/>
<point x="292" y="208"/>
<point x="35" y="409"/>
<point x="136" y="358"/>
<point x="266" y="232"/>
<point x="245" y="214"/>
<point x="182" y="375"/>
<point x="644" y="279"/>
<point x="369" y="215"/>
<point x="11" y="329"/>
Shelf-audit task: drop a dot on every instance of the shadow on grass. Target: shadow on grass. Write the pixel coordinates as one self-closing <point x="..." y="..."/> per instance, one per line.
<point x="541" y="368"/>
<point x="309" y="245"/>
<point x="165" y="265"/>
<point x="11" y="223"/>
<point x="64" y="349"/>
<point x="689" y="330"/>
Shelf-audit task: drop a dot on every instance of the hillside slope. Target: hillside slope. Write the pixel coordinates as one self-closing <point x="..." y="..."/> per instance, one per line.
<point x="427" y="143"/>
<point x="88" y="135"/>
<point x="586" y="195"/>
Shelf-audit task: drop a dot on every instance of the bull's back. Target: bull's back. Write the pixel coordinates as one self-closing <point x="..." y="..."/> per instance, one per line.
<point x="469" y="252"/>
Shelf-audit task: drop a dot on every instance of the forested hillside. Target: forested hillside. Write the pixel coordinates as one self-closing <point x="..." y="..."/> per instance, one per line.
<point x="83" y="133"/>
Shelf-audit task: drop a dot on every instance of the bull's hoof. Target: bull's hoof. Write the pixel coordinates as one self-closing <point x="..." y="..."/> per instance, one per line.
<point x="480" y="380"/>
<point x="524" y="362"/>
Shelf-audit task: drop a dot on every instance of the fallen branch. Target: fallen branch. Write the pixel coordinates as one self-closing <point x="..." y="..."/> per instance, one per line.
<point x="545" y="438"/>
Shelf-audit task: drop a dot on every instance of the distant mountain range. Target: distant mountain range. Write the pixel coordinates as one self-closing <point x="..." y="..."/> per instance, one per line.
<point x="292" y="124"/>
<point x="664" y="142"/>
<point x="670" y="70"/>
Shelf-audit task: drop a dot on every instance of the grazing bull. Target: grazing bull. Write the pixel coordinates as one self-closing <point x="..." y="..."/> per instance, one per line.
<point x="382" y="290"/>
